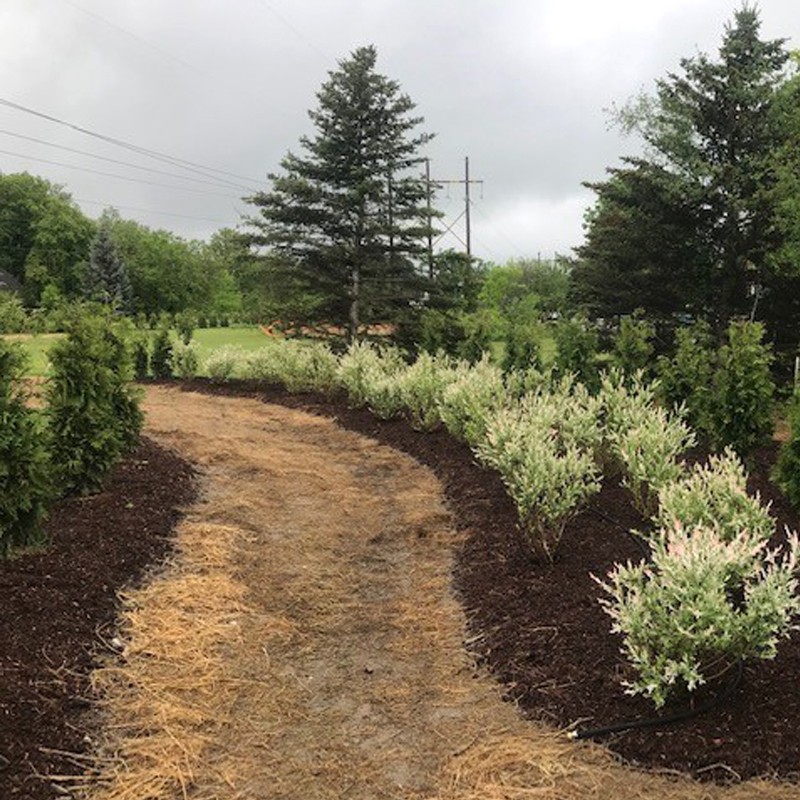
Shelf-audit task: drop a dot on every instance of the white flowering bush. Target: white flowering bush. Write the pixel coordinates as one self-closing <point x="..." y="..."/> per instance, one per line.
<point x="547" y="475"/>
<point x="224" y="363"/>
<point x="702" y="603"/>
<point x="471" y="395"/>
<point x="715" y="496"/>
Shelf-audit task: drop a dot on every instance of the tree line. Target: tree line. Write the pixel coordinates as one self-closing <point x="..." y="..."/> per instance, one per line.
<point x="703" y="225"/>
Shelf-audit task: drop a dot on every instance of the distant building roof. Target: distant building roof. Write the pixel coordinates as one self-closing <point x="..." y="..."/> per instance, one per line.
<point x="8" y="283"/>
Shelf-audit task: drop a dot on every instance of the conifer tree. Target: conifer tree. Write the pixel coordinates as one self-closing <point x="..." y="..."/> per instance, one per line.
<point x="107" y="278"/>
<point x="689" y="227"/>
<point x="348" y="216"/>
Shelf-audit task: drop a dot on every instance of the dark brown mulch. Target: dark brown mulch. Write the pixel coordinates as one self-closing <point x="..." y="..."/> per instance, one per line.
<point x="59" y="603"/>
<point x="542" y="633"/>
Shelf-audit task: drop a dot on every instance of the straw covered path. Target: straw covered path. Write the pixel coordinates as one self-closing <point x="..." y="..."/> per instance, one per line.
<point x="304" y="641"/>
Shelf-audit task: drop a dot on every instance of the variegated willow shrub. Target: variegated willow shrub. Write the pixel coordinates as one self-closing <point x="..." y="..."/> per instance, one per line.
<point x="422" y="386"/>
<point x="224" y="363"/>
<point x="361" y="371"/>
<point x="470" y="397"/>
<point x="703" y="602"/>
<point x="185" y="359"/>
<point x="299" y="366"/>
<point x="542" y="448"/>
<point x="643" y="439"/>
<point x="25" y="488"/>
<point x="715" y="496"/>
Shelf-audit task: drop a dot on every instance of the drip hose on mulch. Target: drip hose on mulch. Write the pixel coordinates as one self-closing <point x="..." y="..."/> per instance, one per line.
<point x="655" y="722"/>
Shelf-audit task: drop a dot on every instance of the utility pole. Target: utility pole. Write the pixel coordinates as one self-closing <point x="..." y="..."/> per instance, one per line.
<point x="466" y="206"/>
<point x="467" y="182"/>
<point x="430" y="216"/>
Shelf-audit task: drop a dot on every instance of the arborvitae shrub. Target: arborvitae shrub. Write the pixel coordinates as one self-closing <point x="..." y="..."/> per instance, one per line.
<point x="141" y="356"/>
<point x="743" y="390"/>
<point x="576" y="341"/>
<point x="523" y="349"/>
<point x="161" y="358"/>
<point x="687" y="378"/>
<point x="727" y="393"/>
<point x="787" y="468"/>
<point x="93" y="415"/>
<point x="185" y="323"/>
<point x="25" y="488"/>
<point x="633" y="346"/>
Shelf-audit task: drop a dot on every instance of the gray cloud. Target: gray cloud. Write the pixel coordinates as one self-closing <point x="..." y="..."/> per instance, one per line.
<point x="518" y="86"/>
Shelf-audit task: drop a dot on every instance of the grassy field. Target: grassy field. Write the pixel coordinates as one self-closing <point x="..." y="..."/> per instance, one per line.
<point x="37" y="346"/>
<point x="208" y="339"/>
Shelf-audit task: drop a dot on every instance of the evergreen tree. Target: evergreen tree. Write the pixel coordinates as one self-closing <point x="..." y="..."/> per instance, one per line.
<point x="349" y="215"/>
<point x="697" y="208"/>
<point x="107" y="278"/>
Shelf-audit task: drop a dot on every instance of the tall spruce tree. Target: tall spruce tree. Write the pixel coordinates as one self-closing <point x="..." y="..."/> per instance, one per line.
<point x="107" y="278"/>
<point x="694" y="215"/>
<point x="348" y="217"/>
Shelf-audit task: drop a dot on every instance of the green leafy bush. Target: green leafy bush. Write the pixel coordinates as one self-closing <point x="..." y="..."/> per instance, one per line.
<point x="744" y="390"/>
<point x="93" y="413"/>
<point x="702" y="603"/>
<point x="25" y="488"/>
<point x="161" y="355"/>
<point x="715" y="496"/>
<point x="633" y="345"/>
<point x="141" y="356"/>
<point x="727" y="393"/>
<point x="787" y="468"/>
<point x="185" y="323"/>
<point x="576" y="342"/>
<point x="687" y="378"/>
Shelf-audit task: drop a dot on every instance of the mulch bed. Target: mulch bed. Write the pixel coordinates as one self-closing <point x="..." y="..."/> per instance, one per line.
<point x="542" y="633"/>
<point x="61" y="602"/>
<point x="538" y="629"/>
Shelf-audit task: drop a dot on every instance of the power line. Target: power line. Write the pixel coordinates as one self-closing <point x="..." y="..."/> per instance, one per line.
<point x="150" y="211"/>
<point x="119" y="177"/>
<point x="139" y="39"/>
<point x="294" y="29"/>
<point x="191" y="166"/>
<point x="110" y="160"/>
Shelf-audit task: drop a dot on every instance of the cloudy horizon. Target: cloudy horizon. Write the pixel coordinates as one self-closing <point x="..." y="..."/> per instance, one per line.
<point x="521" y="88"/>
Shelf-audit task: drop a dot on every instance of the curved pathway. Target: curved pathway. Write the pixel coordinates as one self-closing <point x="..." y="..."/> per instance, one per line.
<point x="305" y="642"/>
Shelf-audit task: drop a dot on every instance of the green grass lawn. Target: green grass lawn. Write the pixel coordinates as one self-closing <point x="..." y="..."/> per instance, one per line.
<point x="208" y="339"/>
<point x="37" y="346"/>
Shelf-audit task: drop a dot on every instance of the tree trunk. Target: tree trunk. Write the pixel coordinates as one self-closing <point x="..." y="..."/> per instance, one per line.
<point x="354" y="297"/>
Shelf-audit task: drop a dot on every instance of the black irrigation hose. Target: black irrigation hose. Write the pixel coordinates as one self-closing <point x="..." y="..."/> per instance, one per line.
<point x="653" y="722"/>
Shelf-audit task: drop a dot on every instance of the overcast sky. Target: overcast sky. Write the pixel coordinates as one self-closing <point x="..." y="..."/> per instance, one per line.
<point x="519" y="86"/>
